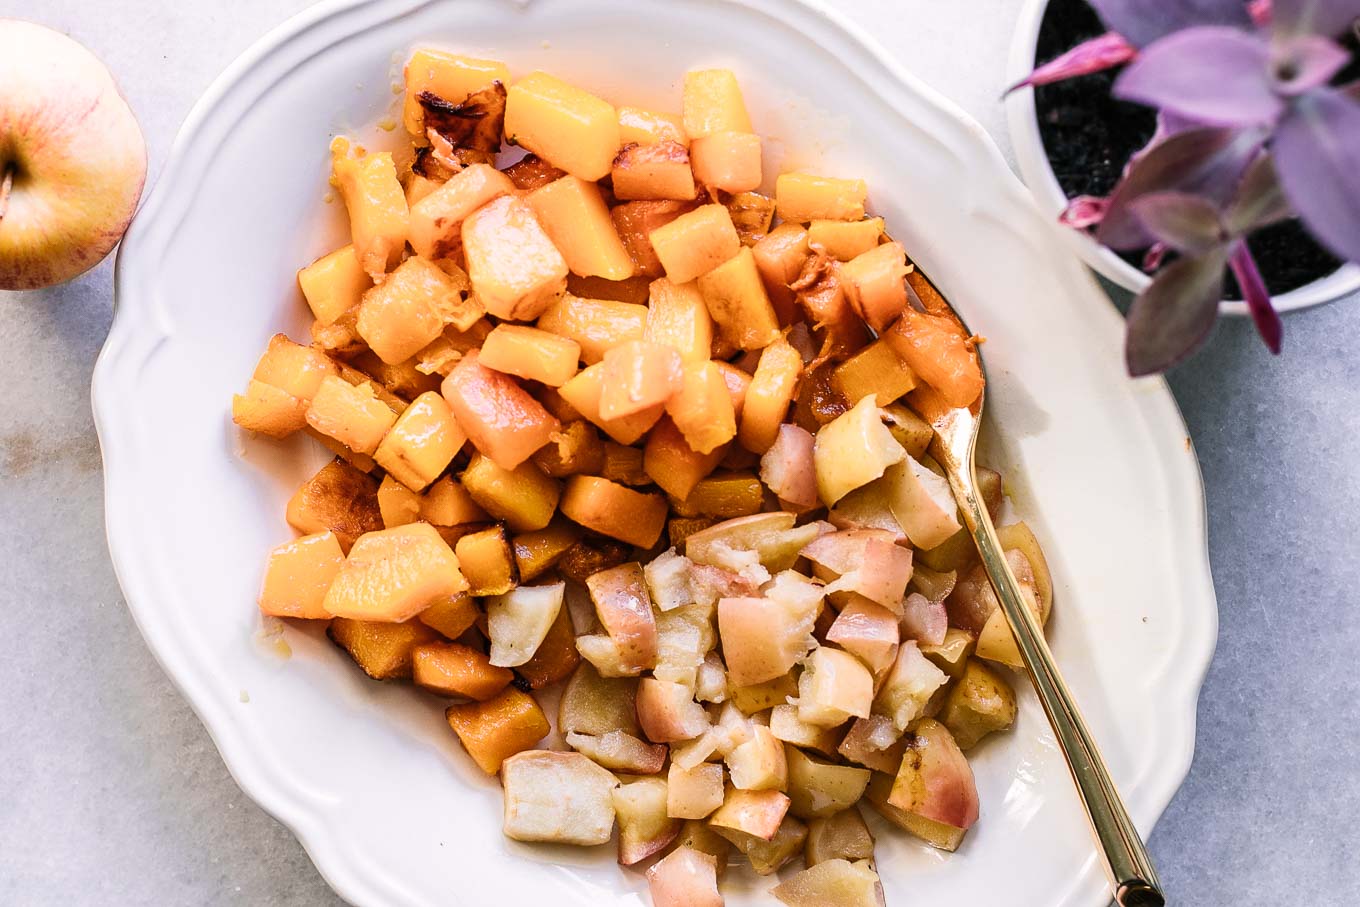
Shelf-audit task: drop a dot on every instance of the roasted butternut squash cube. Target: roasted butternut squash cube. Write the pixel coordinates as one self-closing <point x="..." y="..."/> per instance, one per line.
<point x="804" y="197"/>
<point x="532" y="172"/>
<point x="638" y="376"/>
<point x="595" y="325"/>
<point x="672" y="464"/>
<point x="647" y="127"/>
<point x="633" y="290"/>
<point x="723" y="496"/>
<point x="575" y="450"/>
<point x="383" y="650"/>
<point x="702" y="408"/>
<point x="402" y="315"/>
<point x="449" y="76"/>
<point x="268" y="410"/>
<point x="660" y="170"/>
<point x="394" y="574"/>
<point x="738" y="303"/>
<point x="398" y="504"/>
<point x="613" y="510"/>
<point x="451" y="346"/>
<point x="488" y="562"/>
<point x="437" y="219"/>
<point x="523" y="497"/>
<point x="350" y="414"/>
<point x="821" y="294"/>
<point x="447" y="503"/>
<point x="531" y="353"/>
<point x="556" y="656"/>
<point x="768" y="398"/>
<point x="298" y="574"/>
<point x="623" y="464"/>
<point x="780" y="256"/>
<point x="566" y="126"/>
<point x="500" y="418"/>
<point x="937" y="350"/>
<point x="378" y="216"/>
<point x="333" y="284"/>
<point x="678" y="318"/>
<point x="713" y="103"/>
<point x="419" y="188"/>
<point x="737" y="382"/>
<point x="844" y="240"/>
<point x="403" y="379"/>
<point x="516" y="270"/>
<point x="752" y="214"/>
<point x="874" y="284"/>
<point x="696" y="242"/>
<point x="451" y="615"/>
<point x="584" y="393"/>
<point x="338" y="498"/>
<point x="574" y="214"/>
<point x="493" y="731"/>
<point x="729" y="161"/>
<point x="875" y="370"/>
<point x="635" y="222"/>
<point x="450" y="669"/>
<point x="422" y="443"/>
<point x="537" y="552"/>
<point x="680" y="529"/>
<point x="293" y="368"/>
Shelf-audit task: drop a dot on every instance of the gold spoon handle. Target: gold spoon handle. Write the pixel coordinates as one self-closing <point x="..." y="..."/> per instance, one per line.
<point x="1126" y="859"/>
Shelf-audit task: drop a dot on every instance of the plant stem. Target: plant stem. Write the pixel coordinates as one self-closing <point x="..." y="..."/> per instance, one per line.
<point x="1257" y="296"/>
<point x="6" y="185"/>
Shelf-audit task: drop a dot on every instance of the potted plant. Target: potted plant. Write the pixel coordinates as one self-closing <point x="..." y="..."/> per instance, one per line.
<point x="1201" y="150"/>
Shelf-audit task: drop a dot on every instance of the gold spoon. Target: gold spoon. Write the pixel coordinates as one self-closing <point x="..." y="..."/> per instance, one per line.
<point x="956" y="430"/>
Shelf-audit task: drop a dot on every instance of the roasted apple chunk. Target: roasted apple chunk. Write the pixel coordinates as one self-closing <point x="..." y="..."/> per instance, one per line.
<point x="560" y="797"/>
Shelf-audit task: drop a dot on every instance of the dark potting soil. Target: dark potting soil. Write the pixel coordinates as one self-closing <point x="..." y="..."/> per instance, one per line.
<point x="1089" y="137"/>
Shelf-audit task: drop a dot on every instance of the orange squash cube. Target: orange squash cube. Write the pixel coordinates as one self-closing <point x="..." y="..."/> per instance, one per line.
<point x="596" y="325"/>
<point x="451" y="615"/>
<point x="437" y="219"/>
<point x="495" y="730"/>
<point x="333" y="284"/>
<point x="696" y="243"/>
<point x="648" y="127"/>
<point x="638" y="375"/>
<point x="350" y="414"/>
<point x="738" y="303"/>
<point x="875" y="285"/>
<point x="729" y="161"/>
<point x="338" y="498"/>
<point x="723" y="496"/>
<point x="449" y="76"/>
<point x="780" y="256"/>
<point x="555" y="658"/>
<point x="635" y="222"/>
<point x="822" y="296"/>
<point x="447" y="503"/>
<point x="574" y="214"/>
<point x="678" y="318"/>
<point x="584" y="393"/>
<point x="265" y="409"/>
<point x="575" y="450"/>
<point x="532" y="172"/>
<point x="844" y="240"/>
<point x="713" y="103"/>
<point x="768" y="398"/>
<point x="378" y="216"/>
<point x="940" y="354"/>
<point x="394" y="574"/>
<point x="383" y="650"/>
<point x="401" y="316"/>
<point x="752" y="214"/>
<point x="293" y="368"/>
<point x="523" y="497"/>
<point x="613" y="510"/>
<point x="422" y="442"/>
<point x="298" y="574"/>
<point x="419" y="188"/>
<point x="803" y="198"/>
<point x="623" y="464"/>
<point x="660" y="170"/>
<point x="398" y="504"/>
<point x="499" y="416"/>
<point x="488" y="562"/>
<point x="450" y="669"/>
<point x="876" y="370"/>
<point x="537" y="552"/>
<point x="737" y="382"/>
<point x="570" y="128"/>
<point x="672" y="464"/>
<point x="702" y="408"/>
<point x="516" y="270"/>
<point x="633" y="290"/>
<point x="531" y="353"/>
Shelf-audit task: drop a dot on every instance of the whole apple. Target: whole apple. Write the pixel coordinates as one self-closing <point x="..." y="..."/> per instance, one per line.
<point x="72" y="158"/>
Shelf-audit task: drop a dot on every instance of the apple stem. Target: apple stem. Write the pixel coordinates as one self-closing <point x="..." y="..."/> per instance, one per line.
<point x="6" y="184"/>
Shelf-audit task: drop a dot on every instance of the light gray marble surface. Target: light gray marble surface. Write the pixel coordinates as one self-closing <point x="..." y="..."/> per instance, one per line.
<point x="112" y="793"/>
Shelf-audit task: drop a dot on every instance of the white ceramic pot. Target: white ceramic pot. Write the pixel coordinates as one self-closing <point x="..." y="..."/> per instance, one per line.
<point x="1039" y="177"/>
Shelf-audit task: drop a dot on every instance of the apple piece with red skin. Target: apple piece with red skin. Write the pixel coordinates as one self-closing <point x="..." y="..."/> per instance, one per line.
<point x="620" y="751"/>
<point x="935" y="780"/>
<point x="625" y="610"/>
<point x="667" y="711"/>
<point x="759" y="763"/>
<point x="870" y="631"/>
<point x="72" y="158"/>
<point x="832" y="883"/>
<point x="924" y="620"/>
<point x="644" y="826"/>
<point x="787" y="470"/>
<point x="684" y="878"/>
<point x="757" y="813"/>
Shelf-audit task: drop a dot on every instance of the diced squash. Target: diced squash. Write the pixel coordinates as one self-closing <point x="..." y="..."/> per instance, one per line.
<point x="383" y="650"/>
<point x="595" y="325"/>
<point x="820" y="291"/>
<point x="556" y="656"/>
<point x="268" y="410"/>
<point x="584" y="393"/>
<point x="575" y="450"/>
<point x="451" y="615"/>
<point x="940" y="355"/>
<point x="696" y="242"/>
<point x="875" y="370"/>
<point x="448" y="76"/>
<point x="623" y="464"/>
<point x="333" y="284"/>
<point x="633" y="290"/>
<point x="443" y="354"/>
<point x="398" y="504"/>
<point x="713" y="103"/>
<point x="702" y="407"/>
<point x="752" y="214"/>
<point x="647" y="127"/>
<point x="351" y="415"/>
<point x="402" y="379"/>
<point x="531" y="353"/>
<point x="298" y="574"/>
<point x="532" y="172"/>
<point x="451" y="669"/>
<point x="723" y="496"/>
<point x="537" y="552"/>
<point x="339" y="498"/>
<point x="422" y="442"/>
<point x="564" y="125"/>
<point x="844" y="240"/>
<point x="768" y="397"/>
<point x="402" y="315"/>
<point x="394" y="574"/>
<point x="293" y="368"/>
<point x="779" y="258"/>
<point x="516" y="270"/>
<point x="874" y="284"/>
<point x="680" y="529"/>
<point x="672" y="464"/>
<point x="738" y="303"/>
<point x="638" y="376"/>
<point x="447" y="503"/>
<point x="523" y="497"/>
<point x="487" y="561"/>
<point x="493" y="731"/>
<point x="728" y="161"/>
<point x="378" y="216"/>
<point x="613" y="510"/>
<point x="419" y="188"/>
<point x="500" y="418"/>
<point x="573" y="213"/>
<point x="437" y="219"/>
<point x="678" y="317"/>
<point x="635" y="222"/>
<point x="803" y="198"/>
<point x="660" y="170"/>
<point x="738" y="383"/>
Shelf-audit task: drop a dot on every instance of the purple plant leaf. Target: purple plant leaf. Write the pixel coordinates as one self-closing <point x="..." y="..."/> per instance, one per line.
<point x="1144" y="21"/>
<point x="1328" y="18"/>
<point x="1219" y="76"/>
<point x="1303" y="63"/>
<point x="1172" y="317"/>
<point x="1317" y="156"/>
<point x="1260" y="200"/>
<point x="1084" y="211"/>
<point x="1205" y="162"/>
<point x="1186" y="223"/>
<point x="1254" y="291"/>
<point x="1096" y="55"/>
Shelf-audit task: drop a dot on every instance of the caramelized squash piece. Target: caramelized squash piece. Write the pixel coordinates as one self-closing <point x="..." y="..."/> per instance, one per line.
<point x="648" y="127"/>
<point x="447" y="503"/>
<point x="660" y="170"/>
<point x="350" y="414"/>
<point x="338" y="498"/>
<point x="803" y="198"/>
<point x="293" y="368"/>
<point x="727" y="161"/>
<point x="298" y="574"/>
<point x="437" y="219"/>
<point x="672" y="464"/>
<point x="500" y="418"/>
<point x="398" y="504"/>
<point x="531" y="353"/>
<point x="723" y="496"/>
<point x="584" y="393"/>
<point x="566" y="126"/>
<point x="523" y="497"/>
<point x="333" y="284"/>
<point x="493" y="731"/>
<point x="613" y="510"/>
<point x="780" y="257"/>
<point x="538" y="552"/>
<point x="555" y="658"/>
<point x="752" y="214"/>
<point x="394" y="574"/>
<point x="487" y="561"/>
<point x="635" y="222"/>
<point x="876" y="370"/>
<point x="844" y="240"/>
<point x="422" y="442"/>
<point x="940" y="354"/>
<point x="450" y="76"/>
<point x="573" y="213"/>
<point x="713" y="103"/>
<point x="738" y="303"/>
<point x="623" y="464"/>
<point x="875" y="284"/>
<point x="638" y="376"/>
<point x="451" y="615"/>
<point x="702" y="408"/>
<point x="532" y="172"/>
<point x="383" y="650"/>
<point x="451" y="669"/>
<point x="695" y="243"/>
<point x="516" y="270"/>
<point x="265" y="409"/>
<point x="378" y="216"/>
<point x="768" y="398"/>
<point x="595" y="325"/>
<point x="678" y="317"/>
<point x="575" y="450"/>
<point x="634" y="289"/>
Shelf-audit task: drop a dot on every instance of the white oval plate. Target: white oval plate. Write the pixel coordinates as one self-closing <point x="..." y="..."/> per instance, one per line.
<point x="367" y="774"/>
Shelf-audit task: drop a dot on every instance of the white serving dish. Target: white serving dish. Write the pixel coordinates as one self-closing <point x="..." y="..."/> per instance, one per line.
<point x="367" y="775"/>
